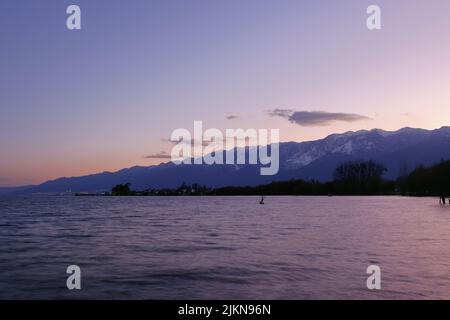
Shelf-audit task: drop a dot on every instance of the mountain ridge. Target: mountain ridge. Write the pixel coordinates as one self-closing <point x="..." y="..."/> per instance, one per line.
<point x="399" y="150"/>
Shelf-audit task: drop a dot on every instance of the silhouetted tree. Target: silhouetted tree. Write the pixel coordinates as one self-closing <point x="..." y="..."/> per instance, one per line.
<point x="433" y="181"/>
<point x="359" y="177"/>
<point x="122" y="190"/>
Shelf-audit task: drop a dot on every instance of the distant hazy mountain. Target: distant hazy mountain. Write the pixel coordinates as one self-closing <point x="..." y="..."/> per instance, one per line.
<point x="9" y="190"/>
<point x="399" y="151"/>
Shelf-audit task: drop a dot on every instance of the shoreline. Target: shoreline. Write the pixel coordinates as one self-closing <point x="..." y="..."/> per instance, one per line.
<point x="254" y="195"/>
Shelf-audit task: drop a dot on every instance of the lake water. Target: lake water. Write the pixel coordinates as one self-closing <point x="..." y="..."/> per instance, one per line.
<point x="224" y="247"/>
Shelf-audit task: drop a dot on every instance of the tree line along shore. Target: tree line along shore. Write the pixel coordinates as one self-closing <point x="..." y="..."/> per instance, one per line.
<point x="350" y="178"/>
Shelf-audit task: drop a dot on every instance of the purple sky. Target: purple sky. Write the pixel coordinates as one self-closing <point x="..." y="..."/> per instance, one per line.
<point x="107" y="96"/>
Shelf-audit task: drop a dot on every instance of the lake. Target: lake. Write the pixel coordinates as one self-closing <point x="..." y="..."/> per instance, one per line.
<point x="224" y="247"/>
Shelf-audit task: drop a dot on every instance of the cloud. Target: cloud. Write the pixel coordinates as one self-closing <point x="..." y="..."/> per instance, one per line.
<point x="232" y="117"/>
<point x="188" y="142"/>
<point x="284" y="113"/>
<point x="315" y="118"/>
<point x="159" y="155"/>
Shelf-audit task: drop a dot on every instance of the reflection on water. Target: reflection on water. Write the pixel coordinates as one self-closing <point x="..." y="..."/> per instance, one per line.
<point x="224" y="247"/>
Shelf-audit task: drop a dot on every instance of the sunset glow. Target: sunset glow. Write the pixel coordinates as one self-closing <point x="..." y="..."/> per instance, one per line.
<point x="105" y="97"/>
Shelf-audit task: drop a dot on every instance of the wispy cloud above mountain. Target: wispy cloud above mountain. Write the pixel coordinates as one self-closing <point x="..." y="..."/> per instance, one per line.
<point x="315" y="118"/>
<point x="232" y="117"/>
<point x="159" y="155"/>
<point x="191" y="142"/>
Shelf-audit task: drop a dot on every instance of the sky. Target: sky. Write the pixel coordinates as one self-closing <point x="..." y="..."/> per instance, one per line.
<point x="108" y="96"/>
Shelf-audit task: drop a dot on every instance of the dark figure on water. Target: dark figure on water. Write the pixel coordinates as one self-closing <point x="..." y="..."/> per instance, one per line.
<point x="442" y="199"/>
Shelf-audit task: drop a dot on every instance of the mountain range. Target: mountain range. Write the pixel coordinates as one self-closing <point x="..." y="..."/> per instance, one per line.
<point x="399" y="151"/>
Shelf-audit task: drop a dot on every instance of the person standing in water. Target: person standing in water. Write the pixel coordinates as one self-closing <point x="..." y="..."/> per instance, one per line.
<point x="442" y="199"/>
